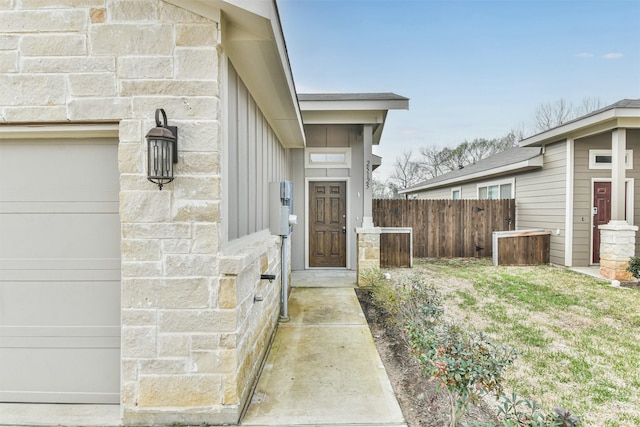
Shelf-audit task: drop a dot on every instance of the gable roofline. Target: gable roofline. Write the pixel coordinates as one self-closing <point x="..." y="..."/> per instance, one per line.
<point x="351" y="108"/>
<point x="507" y="162"/>
<point x="619" y="114"/>
<point x="252" y="37"/>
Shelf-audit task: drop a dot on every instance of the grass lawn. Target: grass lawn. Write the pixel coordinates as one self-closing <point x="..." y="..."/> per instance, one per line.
<point x="578" y="338"/>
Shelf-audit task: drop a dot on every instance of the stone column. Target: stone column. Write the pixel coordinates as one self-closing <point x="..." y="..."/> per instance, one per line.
<point x="368" y="249"/>
<point x="617" y="246"/>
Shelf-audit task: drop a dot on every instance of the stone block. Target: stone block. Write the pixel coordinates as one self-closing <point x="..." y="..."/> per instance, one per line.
<point x="192" y="265"/>
<point x="9" y="42"/>
<point x="141" y="250"/>
<point x="128" y="393"/>
<point x="176" y="246"/>
<point x="140" y="293"/>
<point x="176" y="14"/>
<point x="173" y="345"/>
<point x="53" y="45"/>
<point x="138" y="317"/>
<point x="145" y="67"/>
<point x="196" y="211"/>
<point x="130" y="158"/>
<point x="205" y="187"/>
<point x="64" y="65"/>
<point x="129" y="370"/>
<point x="163" y="366"/>
<point x="183" y="293"/>
<point x="33" y="89"/>
<point x="41" y="4"/>
<point x="132" y="10"/>
<point x="214" y="362"/>
<point x="228" y="340"/>
<point x="227" y="296"/>
<point x="98" y="15"/>
<point x="156" y="231"/>
<point x="131" y="39"/>
<point x="43" y="21"/>
<point x="105" y="108"/>
<point x="230" y="390"/>
<point x="92" y="84"/>
<point x="205" y="342"/>
<point x="145" y="206"/>
<point x="204" y="108"/>
<point x="8" y="61"/>
<point x="130" y="131"/>
<point x="196" y="163"/>
<point x="205" y="238"/>
<point x="195" y="321"/>
<point x="197" y="63"/>
<point x="192" y="35"/>
<point x="180" y="391"/>
<point x="35" y="114"/>
<point x="168" y="87"/>
<point x="138" y="342"/>
<point x="141" y="268"/>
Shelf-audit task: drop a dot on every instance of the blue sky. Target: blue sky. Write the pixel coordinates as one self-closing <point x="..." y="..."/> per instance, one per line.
<point x="472" y="69"/>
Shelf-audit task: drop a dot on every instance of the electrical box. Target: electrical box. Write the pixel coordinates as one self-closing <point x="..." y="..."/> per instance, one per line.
<point x="281" y="217"/>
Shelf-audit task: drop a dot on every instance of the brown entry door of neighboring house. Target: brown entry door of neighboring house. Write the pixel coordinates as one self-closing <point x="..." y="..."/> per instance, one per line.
<point x="327" y="224"/>
<point x="602" y="212"/>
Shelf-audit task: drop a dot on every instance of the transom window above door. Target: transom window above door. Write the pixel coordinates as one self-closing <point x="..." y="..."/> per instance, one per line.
<point x="328" y="157"/>
<point x="602" y="159"/>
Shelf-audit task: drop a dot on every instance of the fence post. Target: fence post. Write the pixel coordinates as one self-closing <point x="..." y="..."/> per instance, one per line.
<point x="368" y="249"/>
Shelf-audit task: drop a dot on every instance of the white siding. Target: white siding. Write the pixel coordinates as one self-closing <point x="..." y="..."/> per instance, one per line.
<point x="540" y="198"/>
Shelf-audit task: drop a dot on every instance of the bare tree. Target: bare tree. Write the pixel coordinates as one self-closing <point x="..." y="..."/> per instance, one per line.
<point x="407" y="171"/>
<point x="552" y="114"/>
<point x="433" y="161"/>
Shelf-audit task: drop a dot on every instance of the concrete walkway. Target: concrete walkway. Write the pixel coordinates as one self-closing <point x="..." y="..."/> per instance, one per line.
<point x="323" y="368"/>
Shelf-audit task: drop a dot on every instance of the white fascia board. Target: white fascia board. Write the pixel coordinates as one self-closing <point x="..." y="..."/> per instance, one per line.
<point x="59" y="130"/>
<point x="568" y="130"/>
<point x="535" y="162"/>
<point x="361" y="105"/>
<point x="342" y="117"/>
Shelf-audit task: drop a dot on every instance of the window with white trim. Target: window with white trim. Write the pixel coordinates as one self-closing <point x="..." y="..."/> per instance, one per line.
<point x="456" y="193"/>
<point x="601" y="159"/>
<point x="337" y="157"/>
<point x="503" y="189"/>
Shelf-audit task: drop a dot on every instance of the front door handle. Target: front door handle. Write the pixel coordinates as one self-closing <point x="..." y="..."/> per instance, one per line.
<point x="344" y="230"/>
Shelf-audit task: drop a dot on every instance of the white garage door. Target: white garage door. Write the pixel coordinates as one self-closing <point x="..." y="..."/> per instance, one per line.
<point x="59" y="271"/>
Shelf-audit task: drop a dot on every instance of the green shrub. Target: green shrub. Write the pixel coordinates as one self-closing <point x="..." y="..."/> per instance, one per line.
<point x="634" y="267"/>
<point x="467" y="366"/>
<point x="517" y="412"/>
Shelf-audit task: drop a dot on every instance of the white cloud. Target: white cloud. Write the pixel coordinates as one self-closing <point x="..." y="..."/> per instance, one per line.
<point x="585" y="55"/>
<point x="612" y="55"/>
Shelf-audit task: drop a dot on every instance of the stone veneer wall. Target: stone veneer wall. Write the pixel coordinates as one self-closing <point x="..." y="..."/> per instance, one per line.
<point x="192" y="335"/>
<point x="368" y="247"/>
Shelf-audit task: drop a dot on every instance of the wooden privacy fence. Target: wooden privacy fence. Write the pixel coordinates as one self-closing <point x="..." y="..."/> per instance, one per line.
<point x="446" y="228"/>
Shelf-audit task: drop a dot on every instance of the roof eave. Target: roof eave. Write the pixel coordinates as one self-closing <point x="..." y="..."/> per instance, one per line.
<point x="608" y="119"/>
<point x="523" y="166"/>
<point x="252" y="38"/>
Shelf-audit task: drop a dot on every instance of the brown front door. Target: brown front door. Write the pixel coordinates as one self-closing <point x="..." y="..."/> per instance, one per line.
<point x="327" y="224"/>
<point x="601" y="213"/>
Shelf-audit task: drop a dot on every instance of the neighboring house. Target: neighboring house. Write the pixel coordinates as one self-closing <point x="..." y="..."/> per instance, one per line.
<point x="576" y="179"/>
<point x="113" y="291"/>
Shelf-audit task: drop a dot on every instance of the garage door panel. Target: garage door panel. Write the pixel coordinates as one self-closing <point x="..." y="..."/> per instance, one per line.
<point x="59" y="303"/>
<point x="67" y="375"/>
<point x="59" y="271"/>
<point x="60" y="235"/>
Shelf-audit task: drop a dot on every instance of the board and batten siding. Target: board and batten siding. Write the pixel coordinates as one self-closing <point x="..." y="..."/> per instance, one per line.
<point x="540" y="199"/>
<point x="583" y="190"/>
<point x="255" y="158"/>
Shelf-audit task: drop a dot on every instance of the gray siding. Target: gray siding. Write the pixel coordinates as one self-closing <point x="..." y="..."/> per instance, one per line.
<point x="540" y="198"/>
<point x="583" y="188"/>
<point x="255" y="157"/>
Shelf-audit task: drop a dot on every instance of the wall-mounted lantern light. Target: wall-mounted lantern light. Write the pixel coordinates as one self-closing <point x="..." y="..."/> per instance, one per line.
<point x="162" y="151"/>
